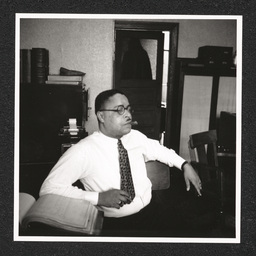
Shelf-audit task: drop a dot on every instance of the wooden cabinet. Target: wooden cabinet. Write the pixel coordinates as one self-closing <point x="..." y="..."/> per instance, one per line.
<point x="192" y="67"/>
<point x="44" y="110"/>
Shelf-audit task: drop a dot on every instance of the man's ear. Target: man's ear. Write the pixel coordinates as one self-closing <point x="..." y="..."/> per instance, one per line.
<point x="100" y="116"/>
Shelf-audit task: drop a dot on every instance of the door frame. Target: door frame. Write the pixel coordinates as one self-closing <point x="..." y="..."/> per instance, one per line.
<point x="173" y="28"/>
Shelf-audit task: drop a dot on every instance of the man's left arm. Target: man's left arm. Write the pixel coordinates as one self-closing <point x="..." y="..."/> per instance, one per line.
<point x="155" y="151"/>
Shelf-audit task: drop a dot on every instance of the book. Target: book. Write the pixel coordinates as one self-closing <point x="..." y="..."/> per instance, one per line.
<point x="25" y="66"/>
<point x="65" y="78"/>
<point x="39" y="65"/>
<point x="63" y="82"/>
<point x="63" y="213"/>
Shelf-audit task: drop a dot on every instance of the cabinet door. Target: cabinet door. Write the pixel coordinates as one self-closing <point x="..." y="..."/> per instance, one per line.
<point x="196" y="106"/>
<point x="44" y="110"/>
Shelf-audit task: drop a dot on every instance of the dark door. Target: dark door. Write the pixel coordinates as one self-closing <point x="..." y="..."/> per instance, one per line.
<point x="138" y="73"/>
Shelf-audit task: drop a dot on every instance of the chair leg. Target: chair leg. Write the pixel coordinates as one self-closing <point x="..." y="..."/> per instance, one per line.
<point x="222" y="198"/>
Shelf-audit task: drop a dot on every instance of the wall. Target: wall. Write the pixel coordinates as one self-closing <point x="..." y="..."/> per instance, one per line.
<point x="196" y="33"/>
<point x="88" y="45"/>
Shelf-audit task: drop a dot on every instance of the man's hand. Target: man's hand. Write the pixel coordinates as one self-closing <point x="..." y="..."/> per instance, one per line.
<point x="115" y="198"/>
<point x="190" y="175"/>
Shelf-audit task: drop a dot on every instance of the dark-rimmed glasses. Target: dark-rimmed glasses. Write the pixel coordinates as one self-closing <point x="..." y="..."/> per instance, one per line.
<point x="120" y="109"/>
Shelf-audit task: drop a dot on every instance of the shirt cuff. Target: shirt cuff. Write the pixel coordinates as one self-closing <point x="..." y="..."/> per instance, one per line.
<point x="179" y="161"/>
<point x="92" y="197"/>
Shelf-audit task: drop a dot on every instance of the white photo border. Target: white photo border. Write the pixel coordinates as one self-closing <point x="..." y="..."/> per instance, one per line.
<point x="237" y="238"/>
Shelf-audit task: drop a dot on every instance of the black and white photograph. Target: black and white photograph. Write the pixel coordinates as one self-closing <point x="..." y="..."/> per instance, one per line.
<point x="128" y="128"/>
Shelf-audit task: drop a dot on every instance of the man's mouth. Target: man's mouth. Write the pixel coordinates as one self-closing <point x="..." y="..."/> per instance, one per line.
<point x="132" y="122"/>
<point x="129" y="122"/>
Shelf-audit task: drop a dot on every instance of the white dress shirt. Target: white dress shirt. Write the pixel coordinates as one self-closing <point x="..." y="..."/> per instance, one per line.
<point x="94" y="160"/>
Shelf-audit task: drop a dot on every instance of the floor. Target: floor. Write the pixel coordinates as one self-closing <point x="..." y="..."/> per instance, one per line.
<point x="194" y="216"/>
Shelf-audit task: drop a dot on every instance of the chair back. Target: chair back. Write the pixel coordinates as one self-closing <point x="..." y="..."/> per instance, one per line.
<point x="203" y="147"/>
<point x="206" y="164"/>
<point x="159" y="175"/>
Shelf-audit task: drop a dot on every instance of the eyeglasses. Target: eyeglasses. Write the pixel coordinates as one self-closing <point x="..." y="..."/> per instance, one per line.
<point x="120" y="109"/>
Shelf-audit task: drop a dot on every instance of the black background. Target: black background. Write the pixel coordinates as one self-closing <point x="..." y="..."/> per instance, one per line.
<point x="7" y="73"/>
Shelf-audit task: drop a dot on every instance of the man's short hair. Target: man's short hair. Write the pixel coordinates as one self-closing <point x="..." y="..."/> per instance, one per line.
<point x="103" y="97"/>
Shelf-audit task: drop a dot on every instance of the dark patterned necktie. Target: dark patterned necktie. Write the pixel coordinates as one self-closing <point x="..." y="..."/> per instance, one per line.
<point x="125" y="171"/>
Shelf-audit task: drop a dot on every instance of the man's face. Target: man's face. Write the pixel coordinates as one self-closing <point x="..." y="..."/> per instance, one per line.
<point x="112" y="123"/>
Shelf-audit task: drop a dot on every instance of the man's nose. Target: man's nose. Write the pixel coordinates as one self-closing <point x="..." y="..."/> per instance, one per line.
<point x="128" y="113"/>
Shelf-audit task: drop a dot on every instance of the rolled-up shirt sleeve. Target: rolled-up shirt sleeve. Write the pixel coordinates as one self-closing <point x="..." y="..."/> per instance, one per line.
<point x="155" y="151"/>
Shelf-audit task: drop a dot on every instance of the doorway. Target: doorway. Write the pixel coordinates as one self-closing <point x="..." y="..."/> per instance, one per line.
<point x="145" y="54"/>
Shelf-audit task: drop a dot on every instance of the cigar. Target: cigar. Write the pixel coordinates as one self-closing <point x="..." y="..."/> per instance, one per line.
<point x="134" y="123"/>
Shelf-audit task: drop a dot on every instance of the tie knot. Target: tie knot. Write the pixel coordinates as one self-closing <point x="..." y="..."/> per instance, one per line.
<point x="119" y="143"/>
<point x="121" y="147"/>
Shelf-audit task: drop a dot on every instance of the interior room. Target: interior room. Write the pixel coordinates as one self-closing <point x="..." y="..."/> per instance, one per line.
<point x="190" y="91"/>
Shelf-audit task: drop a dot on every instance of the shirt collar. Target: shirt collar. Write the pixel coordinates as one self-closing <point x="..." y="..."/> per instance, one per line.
<point x="110" y="139"/>
<point x="107" y="138"/>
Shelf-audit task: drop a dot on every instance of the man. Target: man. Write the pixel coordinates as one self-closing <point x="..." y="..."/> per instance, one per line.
<point x="95" y="162"/>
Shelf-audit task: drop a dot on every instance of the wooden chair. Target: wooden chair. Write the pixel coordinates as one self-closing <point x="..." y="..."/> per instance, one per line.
<point x="203" y="153"/>
<point x="203" y="149"/>
<point x="159" y="175"/>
